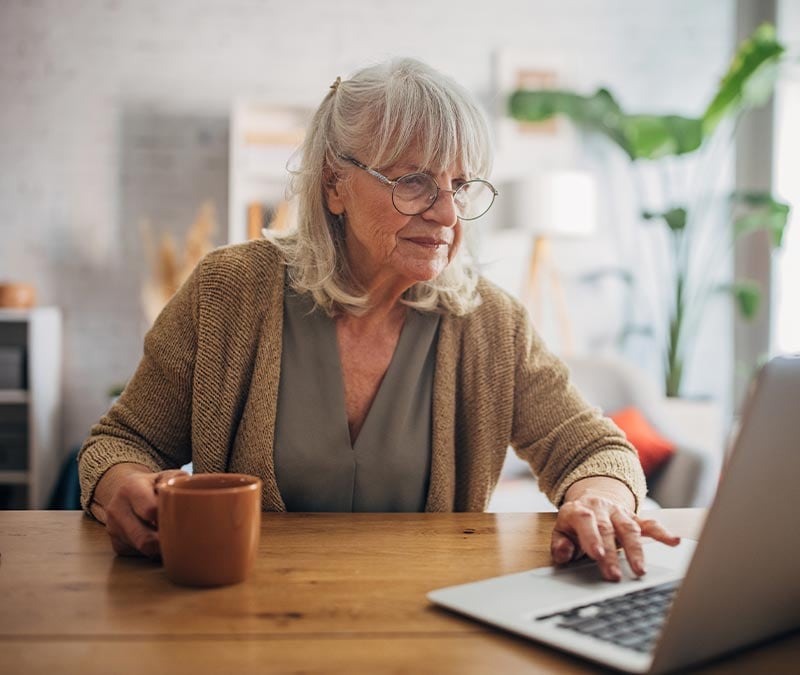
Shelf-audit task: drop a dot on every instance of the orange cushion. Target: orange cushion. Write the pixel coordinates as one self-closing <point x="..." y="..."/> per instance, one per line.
<point x="653" y="448"/>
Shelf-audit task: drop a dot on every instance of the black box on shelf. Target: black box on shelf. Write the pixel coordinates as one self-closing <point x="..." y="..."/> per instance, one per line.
<point x="13" y="497"/>
<point x="13" y="447"/>
<point x="13" y="456"/>
<point x="13" y="417"/>
<point x="12" y="368"/>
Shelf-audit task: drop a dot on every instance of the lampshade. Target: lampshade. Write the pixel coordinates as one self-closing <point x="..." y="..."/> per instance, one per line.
<point x="556" y="203"/>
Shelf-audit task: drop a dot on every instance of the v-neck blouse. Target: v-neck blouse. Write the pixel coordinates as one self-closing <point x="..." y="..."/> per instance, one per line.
<point x="316" y="466"/>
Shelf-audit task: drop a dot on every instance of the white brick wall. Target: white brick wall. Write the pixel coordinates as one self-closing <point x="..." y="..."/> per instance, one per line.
<point x="116" y="110"/>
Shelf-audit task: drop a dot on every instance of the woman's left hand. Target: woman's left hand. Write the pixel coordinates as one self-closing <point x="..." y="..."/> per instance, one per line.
<point x="596" y="517"/>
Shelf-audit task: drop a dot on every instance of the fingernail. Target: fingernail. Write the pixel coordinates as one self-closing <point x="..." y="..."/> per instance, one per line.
<point x="599" y="552"/>
<point x="563" y="554"/>
<point x="616" y="573"/>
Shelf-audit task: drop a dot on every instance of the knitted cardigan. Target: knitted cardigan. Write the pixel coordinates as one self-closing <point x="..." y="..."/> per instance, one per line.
<point x="206" y="391"/>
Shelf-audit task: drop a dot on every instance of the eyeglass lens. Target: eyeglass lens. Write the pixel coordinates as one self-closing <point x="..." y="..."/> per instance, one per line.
<point x="416" y="192"/>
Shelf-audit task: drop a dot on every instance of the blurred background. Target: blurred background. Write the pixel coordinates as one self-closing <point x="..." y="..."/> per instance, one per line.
<point x="137" y="134"/>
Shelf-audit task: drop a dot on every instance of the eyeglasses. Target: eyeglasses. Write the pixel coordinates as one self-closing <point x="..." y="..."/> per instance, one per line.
<point x="415" y="193"/>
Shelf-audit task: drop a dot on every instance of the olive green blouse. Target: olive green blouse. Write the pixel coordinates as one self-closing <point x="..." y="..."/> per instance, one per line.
<point x="317" y="467"/>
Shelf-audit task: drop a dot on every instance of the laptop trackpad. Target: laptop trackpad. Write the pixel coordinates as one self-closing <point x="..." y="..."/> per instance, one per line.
<point x="663" y="563"/>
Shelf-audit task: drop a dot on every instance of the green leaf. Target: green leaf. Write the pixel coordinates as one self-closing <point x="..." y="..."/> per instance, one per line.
<point x="752" y="197"/>
<point x="655" y="136"/>
<point x="764" y="213"/>
<point x="674" y="377"/>
<point x="675" y="218"/>
<point x="750" y="79"/>
<point x="639" y="136"/>
<point x="599" y="112"/>
<point x="747" y="295"/>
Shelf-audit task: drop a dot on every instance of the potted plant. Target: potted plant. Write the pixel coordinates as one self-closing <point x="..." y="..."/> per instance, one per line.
<point x="649" y="141"/>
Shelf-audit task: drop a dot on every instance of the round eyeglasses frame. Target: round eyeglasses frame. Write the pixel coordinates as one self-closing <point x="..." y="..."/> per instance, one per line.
<point x="393" y="184"/>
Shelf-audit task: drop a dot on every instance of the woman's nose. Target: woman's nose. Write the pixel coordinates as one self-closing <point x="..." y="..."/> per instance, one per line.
<point x="443" y="209"/>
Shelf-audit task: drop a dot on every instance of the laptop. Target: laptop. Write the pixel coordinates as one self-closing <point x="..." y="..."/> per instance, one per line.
<point x="738" y="585"/>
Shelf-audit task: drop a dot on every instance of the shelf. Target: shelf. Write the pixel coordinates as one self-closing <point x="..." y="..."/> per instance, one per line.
<point x="13" y="477"/>
<point x="14" y="315"/>
<point x="30" y="408"/>
<point x="13" y="396"/>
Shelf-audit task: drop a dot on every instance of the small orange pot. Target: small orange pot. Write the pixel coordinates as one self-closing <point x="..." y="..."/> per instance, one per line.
<point x="17" y="295"/>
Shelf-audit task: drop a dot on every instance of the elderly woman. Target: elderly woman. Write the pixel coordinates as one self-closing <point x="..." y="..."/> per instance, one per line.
<point x="360" y="363"/>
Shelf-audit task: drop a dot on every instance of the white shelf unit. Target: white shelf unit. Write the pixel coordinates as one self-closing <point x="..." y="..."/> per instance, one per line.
<point x="264" y="140"/>
<point x="31" y="411"/>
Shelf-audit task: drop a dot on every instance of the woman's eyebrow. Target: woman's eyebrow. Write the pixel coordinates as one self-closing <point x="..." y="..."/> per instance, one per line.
<point x="407" y="167"/>
<point x="403" y="165"/>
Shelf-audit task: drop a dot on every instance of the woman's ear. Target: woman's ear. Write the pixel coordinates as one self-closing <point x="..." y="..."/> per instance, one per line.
<point x="333" y="191"/>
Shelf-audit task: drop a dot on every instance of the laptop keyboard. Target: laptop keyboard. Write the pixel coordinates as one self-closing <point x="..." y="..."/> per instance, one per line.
<point x="633" y="620"/>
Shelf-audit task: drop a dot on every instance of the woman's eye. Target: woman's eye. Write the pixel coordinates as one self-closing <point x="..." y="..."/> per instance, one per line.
<point x="416" y="180"/>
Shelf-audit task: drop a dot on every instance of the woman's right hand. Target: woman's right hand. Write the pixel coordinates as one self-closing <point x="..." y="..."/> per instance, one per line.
<point x="126" y="500"/>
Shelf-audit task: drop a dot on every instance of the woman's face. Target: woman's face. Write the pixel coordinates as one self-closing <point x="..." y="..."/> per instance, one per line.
<point x="384" y="246"/>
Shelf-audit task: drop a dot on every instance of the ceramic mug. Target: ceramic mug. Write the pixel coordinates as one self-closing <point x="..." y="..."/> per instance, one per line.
<point x="209" y="527"/>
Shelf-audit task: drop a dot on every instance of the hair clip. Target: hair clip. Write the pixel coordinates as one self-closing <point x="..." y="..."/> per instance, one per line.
<point x="336" y="84"/>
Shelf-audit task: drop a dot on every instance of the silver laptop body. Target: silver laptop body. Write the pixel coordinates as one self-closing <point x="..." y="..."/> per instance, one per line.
<point x="738" y="585"/>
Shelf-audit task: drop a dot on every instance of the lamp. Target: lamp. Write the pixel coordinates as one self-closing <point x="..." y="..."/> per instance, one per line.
<point x="553" y="204"/>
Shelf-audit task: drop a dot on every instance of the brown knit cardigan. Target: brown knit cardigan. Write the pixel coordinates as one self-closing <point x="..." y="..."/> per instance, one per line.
<point x="206" y="391"/>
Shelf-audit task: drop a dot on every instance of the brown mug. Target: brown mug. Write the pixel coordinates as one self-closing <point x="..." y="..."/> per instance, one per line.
<point x="209" y="527"/>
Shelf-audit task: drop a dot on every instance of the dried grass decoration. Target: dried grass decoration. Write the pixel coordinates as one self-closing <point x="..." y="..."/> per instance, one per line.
<point x="169" y="267"/>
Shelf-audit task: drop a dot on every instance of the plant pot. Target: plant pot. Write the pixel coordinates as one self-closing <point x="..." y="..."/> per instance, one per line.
<point x="17" y="295"/>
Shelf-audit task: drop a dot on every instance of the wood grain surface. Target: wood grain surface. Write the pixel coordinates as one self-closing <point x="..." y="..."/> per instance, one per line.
<point x="331" y="593"/>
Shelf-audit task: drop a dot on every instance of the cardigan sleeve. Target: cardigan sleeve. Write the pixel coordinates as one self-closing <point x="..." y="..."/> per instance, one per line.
<point x="151" y="421"/>
<point x="554" y="429"/>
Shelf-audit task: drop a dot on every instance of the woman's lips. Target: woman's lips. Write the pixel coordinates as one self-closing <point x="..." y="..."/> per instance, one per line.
<point x="428" y="242"/>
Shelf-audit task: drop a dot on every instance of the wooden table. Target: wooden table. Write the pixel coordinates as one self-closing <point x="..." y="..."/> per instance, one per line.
<point x="331" y="593"/>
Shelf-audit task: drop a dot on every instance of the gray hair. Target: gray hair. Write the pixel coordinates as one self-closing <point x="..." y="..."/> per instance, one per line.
<point x="376" y="115"/>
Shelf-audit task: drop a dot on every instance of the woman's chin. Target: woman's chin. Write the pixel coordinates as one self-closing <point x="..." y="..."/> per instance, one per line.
<point x="422" y="269"/>
<point x="422" y="273"/>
